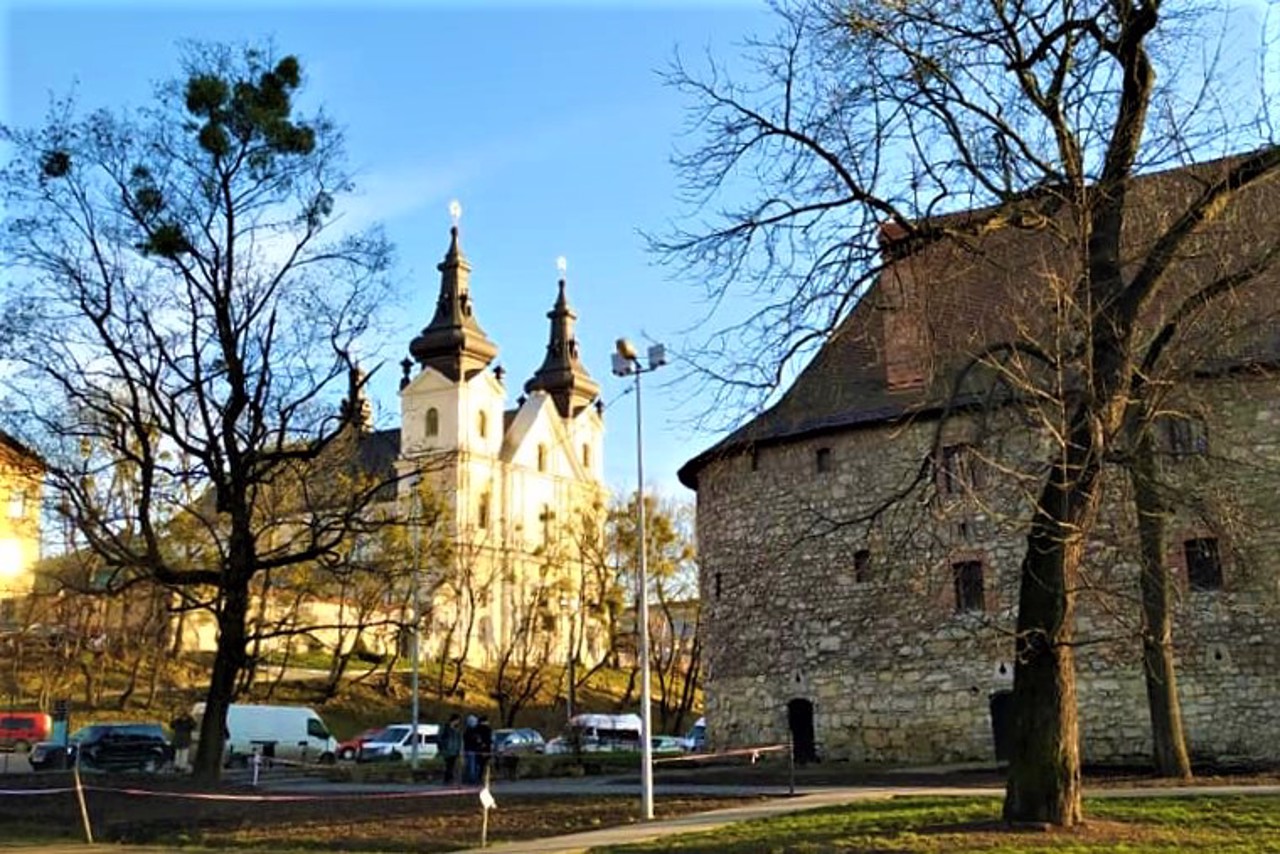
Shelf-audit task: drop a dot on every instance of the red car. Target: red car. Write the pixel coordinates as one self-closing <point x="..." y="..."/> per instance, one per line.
<point x="350" y="748"/>
<point x="20" y="730"/>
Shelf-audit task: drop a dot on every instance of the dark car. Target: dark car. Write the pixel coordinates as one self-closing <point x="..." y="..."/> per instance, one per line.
<point x="107" y="747"/>
<point x="508" y="742"/>
<point x="511" y="744"/>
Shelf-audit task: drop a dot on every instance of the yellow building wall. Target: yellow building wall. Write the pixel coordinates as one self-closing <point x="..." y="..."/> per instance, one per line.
<point x="20" y="497"/>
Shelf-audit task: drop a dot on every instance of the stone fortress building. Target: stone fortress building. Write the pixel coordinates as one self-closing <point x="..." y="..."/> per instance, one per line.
<point x="860" y="542"/>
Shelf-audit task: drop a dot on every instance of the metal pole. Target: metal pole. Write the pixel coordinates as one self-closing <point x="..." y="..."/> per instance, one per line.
<point x="642" y="581"/>
<point x="791" y="762"/>
<point x="84" y="809"/>
<point x="415" y="533"/>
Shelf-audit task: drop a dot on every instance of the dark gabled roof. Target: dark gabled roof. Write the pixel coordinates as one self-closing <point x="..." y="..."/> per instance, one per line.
<point x="376" y="455"/>
<point x="23" y="449"/>
<point x="963" y="293"/>
<point x="378" y="452"/>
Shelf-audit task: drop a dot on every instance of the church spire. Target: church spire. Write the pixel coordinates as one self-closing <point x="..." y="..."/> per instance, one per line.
<point x="359" y="414"/>
<point x="453" y="342"/>
<point x="562" y="375"/>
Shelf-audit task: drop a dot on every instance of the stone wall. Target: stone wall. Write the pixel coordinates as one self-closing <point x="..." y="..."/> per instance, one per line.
<point x="875" y="641"/>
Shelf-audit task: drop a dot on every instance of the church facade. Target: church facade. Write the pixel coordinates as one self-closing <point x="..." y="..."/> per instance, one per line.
<point x="499" y="503"/>
<point x="861" y="541"/>
<point x="520" y="484"/>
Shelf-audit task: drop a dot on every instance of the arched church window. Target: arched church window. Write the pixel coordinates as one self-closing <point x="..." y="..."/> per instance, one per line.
<point x="586" y="456"/>
<point x="542" y="458"/>
<point x="433" y="422"/>
<point x="482" y="424"/>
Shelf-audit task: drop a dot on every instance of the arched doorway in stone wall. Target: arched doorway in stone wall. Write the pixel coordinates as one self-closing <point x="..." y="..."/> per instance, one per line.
<point x="800" y="722"/>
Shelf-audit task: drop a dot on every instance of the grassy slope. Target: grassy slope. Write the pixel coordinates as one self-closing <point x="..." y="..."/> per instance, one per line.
<point x="361" y="705"/>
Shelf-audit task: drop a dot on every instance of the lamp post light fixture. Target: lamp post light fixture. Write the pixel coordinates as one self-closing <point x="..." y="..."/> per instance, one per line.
<point x="626" y="362"/>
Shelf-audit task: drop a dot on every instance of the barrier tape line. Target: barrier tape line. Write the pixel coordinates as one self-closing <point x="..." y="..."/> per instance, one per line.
<point x="215" y="796"/>
<point x="753" y="752"/>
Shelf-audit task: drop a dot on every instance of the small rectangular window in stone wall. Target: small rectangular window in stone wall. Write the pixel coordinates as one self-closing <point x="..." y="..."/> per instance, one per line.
<point x="1184" y="435"/>
<point x="960" y="470"/>
<point x="862" y="565"/>
<point x="822" y="459"/>
<point x="969" y="585"/>
<point x="1204" y="567"/>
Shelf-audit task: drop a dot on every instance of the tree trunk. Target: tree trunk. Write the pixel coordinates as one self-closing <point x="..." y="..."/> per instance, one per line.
<point x="131" y="684"/>
<point x="1169" y="746"/>
<point x="228" y="662"/>
<point x="1044" y="769"/>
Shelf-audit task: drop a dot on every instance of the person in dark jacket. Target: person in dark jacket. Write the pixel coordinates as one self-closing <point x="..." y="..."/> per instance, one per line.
<point x="450" y="745"/>
<point x="470" y="750"/>
<point x="484" y="747"/>
<point x="183" y="726"/>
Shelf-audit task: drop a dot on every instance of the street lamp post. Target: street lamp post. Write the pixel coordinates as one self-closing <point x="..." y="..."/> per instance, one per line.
<point x="415" y="534"/>
<point x="626" y="362"/>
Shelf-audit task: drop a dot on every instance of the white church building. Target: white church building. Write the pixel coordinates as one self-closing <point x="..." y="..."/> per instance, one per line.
<point x="520" y="483"/>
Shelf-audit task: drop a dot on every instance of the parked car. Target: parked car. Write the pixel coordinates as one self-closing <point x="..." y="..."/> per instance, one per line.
<point x="514" y="742"/>
<point x="395" y="744"/>
<point x="108" y="747"/>
<point x="20" y="730"/>
<point x="351" y="747"/>
<point x="667" y="744"/>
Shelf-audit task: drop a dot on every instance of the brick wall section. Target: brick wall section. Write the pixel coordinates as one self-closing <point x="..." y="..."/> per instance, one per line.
<point x="895" y="674"/>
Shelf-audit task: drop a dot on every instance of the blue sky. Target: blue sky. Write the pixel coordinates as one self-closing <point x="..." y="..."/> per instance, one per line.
<point x="548" y="122"/>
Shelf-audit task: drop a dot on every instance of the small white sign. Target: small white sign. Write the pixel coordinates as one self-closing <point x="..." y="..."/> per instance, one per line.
<point x="486" y="799"/>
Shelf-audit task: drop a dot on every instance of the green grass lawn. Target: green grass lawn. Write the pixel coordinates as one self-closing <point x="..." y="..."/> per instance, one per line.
<point x="1213" y="825"/>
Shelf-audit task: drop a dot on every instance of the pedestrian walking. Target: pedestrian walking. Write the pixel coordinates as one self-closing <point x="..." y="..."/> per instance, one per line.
<point x="182" y="726"/>
<point x="451" y="746"/>
<point x="471" y="751"/>
<point x="484" y="747"/>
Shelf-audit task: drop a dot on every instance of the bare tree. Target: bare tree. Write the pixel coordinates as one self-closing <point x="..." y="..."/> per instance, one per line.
<point x="191" y="316"/>
<point x="674" y="650"/>
<point x="868" y="118"/>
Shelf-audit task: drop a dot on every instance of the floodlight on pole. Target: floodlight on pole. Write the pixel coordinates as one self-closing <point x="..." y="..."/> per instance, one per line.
<point x="626" y="362"/>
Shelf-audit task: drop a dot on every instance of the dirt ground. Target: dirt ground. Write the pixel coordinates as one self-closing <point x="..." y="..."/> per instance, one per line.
<point x="176" y="813"/>
<point x="172" y="810"/>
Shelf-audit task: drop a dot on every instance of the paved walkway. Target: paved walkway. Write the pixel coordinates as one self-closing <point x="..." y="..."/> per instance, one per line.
<point x="698" y="822"/>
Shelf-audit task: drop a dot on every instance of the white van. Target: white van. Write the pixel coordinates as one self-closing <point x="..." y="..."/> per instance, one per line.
<point x="294" y="733"/>
<point x="593" y="733"/>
